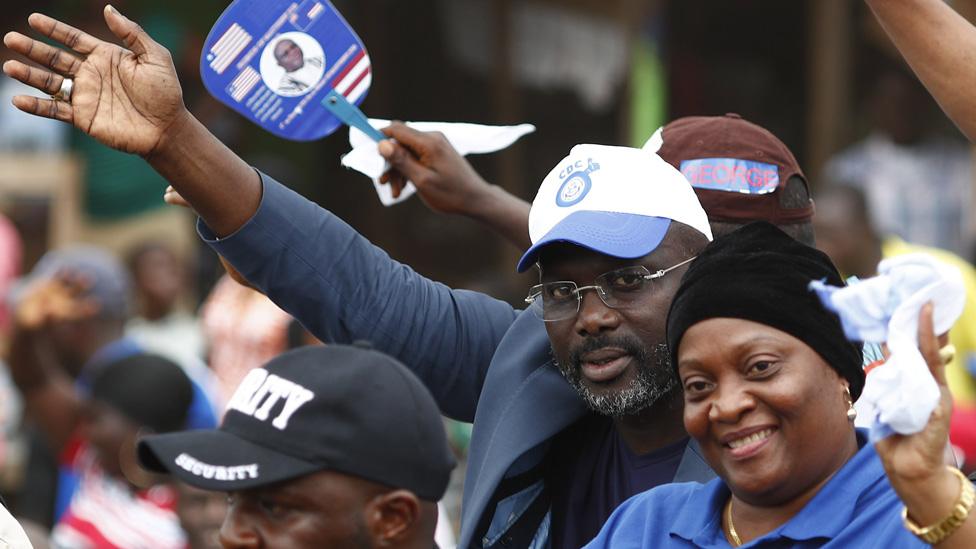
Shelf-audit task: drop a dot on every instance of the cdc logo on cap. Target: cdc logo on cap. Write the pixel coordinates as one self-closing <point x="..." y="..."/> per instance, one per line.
<point x="576" y="183"/>
<point x="617" y="201"/>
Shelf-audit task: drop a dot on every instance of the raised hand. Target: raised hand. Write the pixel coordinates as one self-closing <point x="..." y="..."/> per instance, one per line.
<point x="57" y="299"/>
<point x="915" y="464"/>
<point x="923" y="453"/>
<point x="127" y="98"/>
<point x="444" y="179"/>
<point x="447" y="183"/>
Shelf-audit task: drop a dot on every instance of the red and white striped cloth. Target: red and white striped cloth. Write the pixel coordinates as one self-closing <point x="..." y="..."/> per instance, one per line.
<point x="105" y="513"/>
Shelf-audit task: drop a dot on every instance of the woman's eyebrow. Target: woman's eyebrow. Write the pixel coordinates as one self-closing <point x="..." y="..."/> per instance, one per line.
<point x="737" y="347"/>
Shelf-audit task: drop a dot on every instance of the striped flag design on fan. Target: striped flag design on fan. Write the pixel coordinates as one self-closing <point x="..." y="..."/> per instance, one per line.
<point x="354" y="80"/>
<point x="316" y="10"/>
<point x="243" y="84"/>
<point x="228" y="47"/>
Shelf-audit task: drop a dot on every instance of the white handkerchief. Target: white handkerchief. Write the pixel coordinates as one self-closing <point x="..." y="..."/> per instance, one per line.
<point x="465" y="138"/>
<point x="899" y="396"/>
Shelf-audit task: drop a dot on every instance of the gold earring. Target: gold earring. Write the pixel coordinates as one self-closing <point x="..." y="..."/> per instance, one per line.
<point x="851" y="411"/>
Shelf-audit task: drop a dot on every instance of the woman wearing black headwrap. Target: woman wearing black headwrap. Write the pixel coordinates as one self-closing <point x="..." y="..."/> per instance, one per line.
<point x="769" y="382"/>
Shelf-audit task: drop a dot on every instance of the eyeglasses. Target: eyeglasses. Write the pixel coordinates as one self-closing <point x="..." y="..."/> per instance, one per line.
<point x="554" y="301"/>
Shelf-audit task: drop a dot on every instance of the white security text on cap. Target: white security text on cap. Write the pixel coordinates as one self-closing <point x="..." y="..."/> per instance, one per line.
<point x="219" y="472"/>
<point x="260" y="391"/>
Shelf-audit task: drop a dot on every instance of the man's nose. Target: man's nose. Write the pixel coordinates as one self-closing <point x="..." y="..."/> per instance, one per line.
<point x="594" y="315"/>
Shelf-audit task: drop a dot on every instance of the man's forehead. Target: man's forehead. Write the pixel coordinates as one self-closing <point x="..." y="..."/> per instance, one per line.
<point x="315" y="484"/>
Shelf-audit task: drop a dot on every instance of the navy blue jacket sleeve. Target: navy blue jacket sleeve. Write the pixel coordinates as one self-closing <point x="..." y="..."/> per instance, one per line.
<point x="342" y="288"/>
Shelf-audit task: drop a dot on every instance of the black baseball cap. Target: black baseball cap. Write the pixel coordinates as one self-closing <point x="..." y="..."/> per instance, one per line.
<point x="340" y="408"/>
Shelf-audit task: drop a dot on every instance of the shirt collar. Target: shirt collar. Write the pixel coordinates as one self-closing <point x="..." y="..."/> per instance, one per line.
<point x="824" y="516"/>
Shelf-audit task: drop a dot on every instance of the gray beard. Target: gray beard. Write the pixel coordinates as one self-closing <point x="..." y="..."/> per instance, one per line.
<point x="653" y="382"/>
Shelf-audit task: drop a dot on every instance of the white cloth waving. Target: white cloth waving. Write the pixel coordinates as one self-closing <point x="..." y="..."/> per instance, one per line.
<point x="900" y="396"/>
<point x="465" y="138"/>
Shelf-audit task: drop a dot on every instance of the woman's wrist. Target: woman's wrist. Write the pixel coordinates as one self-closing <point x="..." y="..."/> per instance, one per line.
<point x="929" y="500"/>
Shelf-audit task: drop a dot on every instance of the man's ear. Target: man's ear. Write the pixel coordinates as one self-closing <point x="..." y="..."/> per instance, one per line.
<point x="391" y="518"/>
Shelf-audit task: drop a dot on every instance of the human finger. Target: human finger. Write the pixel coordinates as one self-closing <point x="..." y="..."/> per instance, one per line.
<point x="80" y="309"/>
<point x="397" y="184"/>
<point x="413" y="139"/>
<point x="129" y="32"/>
<point x="63" y="33"/>
<point x="49" y="56"/>
<point x="403" y="161"/>
<point x="928" y="345"/>
<point x="73" y="281"/>
<point x="35" y="77"/>
<point x="46" y="108"/>
<point x="174" y="198"/>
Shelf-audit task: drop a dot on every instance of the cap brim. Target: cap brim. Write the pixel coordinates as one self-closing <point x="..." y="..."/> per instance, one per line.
<point x="622" y="235"/>
<point x="219" y="461"/>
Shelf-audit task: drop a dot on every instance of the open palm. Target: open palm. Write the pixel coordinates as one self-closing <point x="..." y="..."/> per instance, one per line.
<point x="124" y="98"/>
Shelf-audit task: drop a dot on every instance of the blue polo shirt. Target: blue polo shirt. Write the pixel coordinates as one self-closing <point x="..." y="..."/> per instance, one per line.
<point x="856" y="508"/>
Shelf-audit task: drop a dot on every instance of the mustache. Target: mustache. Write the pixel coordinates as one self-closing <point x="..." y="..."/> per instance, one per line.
<point x="629" y="345"/>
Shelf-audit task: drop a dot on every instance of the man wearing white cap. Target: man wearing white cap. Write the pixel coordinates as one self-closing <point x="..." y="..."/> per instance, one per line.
<point x="612" y="230"/>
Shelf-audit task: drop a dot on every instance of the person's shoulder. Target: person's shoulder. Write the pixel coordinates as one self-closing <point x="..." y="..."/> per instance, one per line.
<point x="665" y="500"/>
<point x="646" y="519"/>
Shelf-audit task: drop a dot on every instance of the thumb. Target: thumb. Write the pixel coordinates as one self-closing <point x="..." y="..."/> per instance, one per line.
<point x="131" y="34"/>
<point x="403" y="161"/>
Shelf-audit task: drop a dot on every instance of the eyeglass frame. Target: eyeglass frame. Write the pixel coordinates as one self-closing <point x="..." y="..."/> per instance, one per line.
<point x="535" y="292"/>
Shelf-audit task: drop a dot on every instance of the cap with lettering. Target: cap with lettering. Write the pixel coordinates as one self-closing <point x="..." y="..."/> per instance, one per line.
<point x="617" y="201"/>
<point x="340" y="408"/>
<point x="737" y="168"/>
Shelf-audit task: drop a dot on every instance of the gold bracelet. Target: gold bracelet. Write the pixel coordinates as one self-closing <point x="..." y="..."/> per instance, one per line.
<point x="943" y="529"/>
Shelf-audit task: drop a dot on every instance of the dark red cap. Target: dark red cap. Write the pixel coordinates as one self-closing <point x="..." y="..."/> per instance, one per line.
<point x="736" y="167"/>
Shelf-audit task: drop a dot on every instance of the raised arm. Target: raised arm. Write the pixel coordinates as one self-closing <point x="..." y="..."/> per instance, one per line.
<point x="305" y="259"/>
<point x="48" y="390"/>
<point x="130" y="99"/>
<point x="940" y="46"/>
<point x="447" y="183"/>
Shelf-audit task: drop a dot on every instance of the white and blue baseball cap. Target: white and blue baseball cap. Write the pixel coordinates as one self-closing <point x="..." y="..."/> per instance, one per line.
<point x="617" y="201"/>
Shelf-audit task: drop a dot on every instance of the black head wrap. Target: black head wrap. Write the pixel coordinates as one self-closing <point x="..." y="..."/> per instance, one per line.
<point x="759" y="273"/>
<point x="148" y="389"/>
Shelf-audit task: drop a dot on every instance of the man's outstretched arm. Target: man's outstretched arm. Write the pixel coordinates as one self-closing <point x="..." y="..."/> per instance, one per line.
<point x="301" y="256"/>
<point x="130" y="99"/>
<point x="940" y="46"/>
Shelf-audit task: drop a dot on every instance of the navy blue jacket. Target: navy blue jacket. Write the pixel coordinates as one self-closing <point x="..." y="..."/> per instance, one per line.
<point x="483" y="361"/>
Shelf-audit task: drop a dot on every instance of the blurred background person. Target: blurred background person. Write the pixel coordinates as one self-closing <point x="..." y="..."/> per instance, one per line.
<point x="117" y="503"/>
<point x="69" y="324"/>
<point x="161" y="322"/>
<point x="917" y="183"/>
